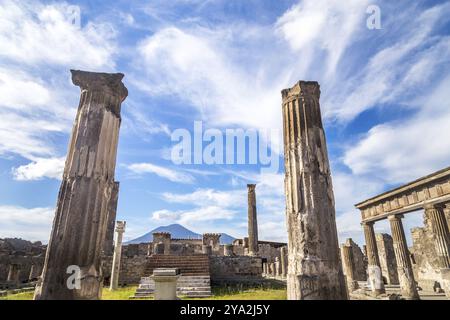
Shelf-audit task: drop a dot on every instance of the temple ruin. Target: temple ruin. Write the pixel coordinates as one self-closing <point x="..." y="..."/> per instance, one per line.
<point x="311" y="264"/>
<point x="428" y="264"/>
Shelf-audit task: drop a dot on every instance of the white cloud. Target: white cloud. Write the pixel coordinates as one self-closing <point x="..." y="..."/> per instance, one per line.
<point x="315" y="26"/>
<point x="163" y="172"/>
<point x="191" y="217"/>
<point x="208" y="197"/>
<point x="406" y="149"/>
<point x="40" y="168"/>
<point x="31" y="32"/>
<point x="28" y="223"/>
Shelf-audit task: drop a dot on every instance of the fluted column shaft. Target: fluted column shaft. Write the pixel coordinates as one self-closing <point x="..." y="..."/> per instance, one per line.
<point x="72" y="269"/>
<point x="440" y="234"/>
<point x="314" y="267"/>
<point x="115" y="272"/>
<point x="404" y="268"/>
<point x="252" y="221"/>
<point x="374" y="268"/>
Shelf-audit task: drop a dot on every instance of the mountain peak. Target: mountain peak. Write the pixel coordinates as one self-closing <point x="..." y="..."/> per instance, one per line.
<point x="177" y="231"/>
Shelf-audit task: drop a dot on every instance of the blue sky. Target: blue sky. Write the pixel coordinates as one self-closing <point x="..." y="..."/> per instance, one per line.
<point x="385" y="102"/>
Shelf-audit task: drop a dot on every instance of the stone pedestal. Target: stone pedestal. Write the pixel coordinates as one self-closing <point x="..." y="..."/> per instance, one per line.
<point x="375" y="277"/>
<point x="72" y="268"/>
<point x="314" y="267"/>
<point x="165" y="283"/>
<point x="440" y="234"/>
<point x="120" y="229"/>
<point x="405" y="273"/>
<point x="252" y="221"/>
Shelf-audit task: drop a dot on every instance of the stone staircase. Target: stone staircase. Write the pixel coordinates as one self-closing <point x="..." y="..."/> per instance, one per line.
<point x="194" y="281"/>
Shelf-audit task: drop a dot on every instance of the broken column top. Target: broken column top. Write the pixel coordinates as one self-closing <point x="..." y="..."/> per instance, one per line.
<point x="120" y="226"/>
<point x="302" y="88"/>
<point x="251" y="187"/>
<point x="98" y="81"/>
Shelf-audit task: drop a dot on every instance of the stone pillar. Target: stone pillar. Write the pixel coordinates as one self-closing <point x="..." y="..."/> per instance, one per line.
<point x="207" y="249"/>
<point x="265" y="268"/>
<point x="228" y="250"/>
<point x="283" y="262"/>
<point x="32" y="274"/>
<point x="87" y="189"/>
<point x="252" y="221"/>
<point x="347" y="260"/>
<point x="112" y="210"/>
<point x="374" y="268"/>
<point x="440" y="231"/>
<point x="277" y="267"/>
<point x="405" y="272"/>
<point x="115" y="272"/>
<point x="314" y="267"/>
<point x="14" y="273"/>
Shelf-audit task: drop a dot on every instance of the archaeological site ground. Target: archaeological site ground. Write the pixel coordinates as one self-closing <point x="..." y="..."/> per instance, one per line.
<point x="181" y="155"/>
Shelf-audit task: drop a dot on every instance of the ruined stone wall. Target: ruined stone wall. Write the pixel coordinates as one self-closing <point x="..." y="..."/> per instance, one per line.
<point x="238" y="268"/>
<point x="360" y="262"/>
<point x="386" y="255"/>
<point x="425" y="261"/>
<point x="132" y="269"/>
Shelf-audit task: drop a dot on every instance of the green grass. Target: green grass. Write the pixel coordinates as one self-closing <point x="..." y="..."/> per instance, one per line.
<point x="19" y="296"/>
<point x="218" y="294"/>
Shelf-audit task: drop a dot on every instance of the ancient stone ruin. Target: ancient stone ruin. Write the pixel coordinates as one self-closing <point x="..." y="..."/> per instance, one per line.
<point x="428" y="264"/>
<point x="87" y="191"/>
<point x="314" y="267"/>
<point x="83" y="255"/>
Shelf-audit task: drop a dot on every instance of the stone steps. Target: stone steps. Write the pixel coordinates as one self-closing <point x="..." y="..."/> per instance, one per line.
<point x="194" y="281"/>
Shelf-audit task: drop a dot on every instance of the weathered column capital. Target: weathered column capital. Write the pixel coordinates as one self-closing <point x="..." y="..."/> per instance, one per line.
<point x="120" y="226"/>
<point x="251" y="187"/>
<point x="368" y="223"/>
<point x="395" y="217"/>
<point x="302" y="88"/>
<point x="110" y="83"/>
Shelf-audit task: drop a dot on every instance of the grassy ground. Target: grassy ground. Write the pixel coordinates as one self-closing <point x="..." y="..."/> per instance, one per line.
<point x="218" y="294"/>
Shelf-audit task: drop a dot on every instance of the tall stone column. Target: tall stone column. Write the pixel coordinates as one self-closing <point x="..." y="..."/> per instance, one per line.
<point x="440" y="231"/>
<point x="252" y="221"/>
<point x="404" y="268"/>
<point x="72" y="267"/>
<point x="314" y="268"/>
<point x="374" y="268"/>
<point x="348" y="261"/>
<point x="120" y="229"/>
<point x="283" y="261"/>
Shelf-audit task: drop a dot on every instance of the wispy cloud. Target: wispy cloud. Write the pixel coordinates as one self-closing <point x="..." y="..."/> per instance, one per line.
<point x="163" y="172"/>
<point x="40" y="168"/>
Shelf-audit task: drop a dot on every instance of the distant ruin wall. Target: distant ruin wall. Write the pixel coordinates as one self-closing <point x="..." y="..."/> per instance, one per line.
<point x="237" y="269"/>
